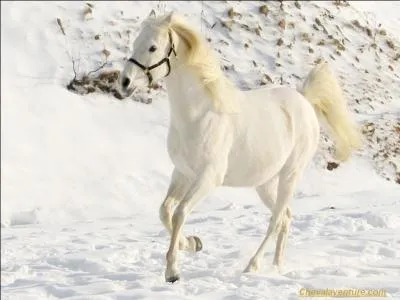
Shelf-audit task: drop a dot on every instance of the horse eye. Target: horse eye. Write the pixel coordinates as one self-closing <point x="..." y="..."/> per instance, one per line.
<point x="152" y="48"/>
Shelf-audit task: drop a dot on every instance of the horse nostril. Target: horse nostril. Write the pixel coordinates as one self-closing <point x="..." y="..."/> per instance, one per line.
<point x="125" y="82"/>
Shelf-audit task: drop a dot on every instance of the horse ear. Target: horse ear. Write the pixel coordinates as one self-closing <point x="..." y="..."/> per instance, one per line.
<point x="169" y="17"/>
<point x="152" y="14"/>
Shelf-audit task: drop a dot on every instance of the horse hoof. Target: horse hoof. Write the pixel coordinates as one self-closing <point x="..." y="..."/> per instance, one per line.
<point x="172" y="279"/>
<point x="199" y="244"/>
<point x="251" y="267"/>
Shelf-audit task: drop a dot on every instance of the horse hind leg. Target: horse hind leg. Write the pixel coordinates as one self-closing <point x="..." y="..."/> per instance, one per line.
<point x="281" y="215"/>
<point x="282" y="239"/>
<point x="268" y="193"/>
<point x="288" y="179"/>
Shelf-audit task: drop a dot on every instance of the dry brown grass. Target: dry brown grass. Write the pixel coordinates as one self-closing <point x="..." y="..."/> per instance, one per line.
<point x="263" y="9"/>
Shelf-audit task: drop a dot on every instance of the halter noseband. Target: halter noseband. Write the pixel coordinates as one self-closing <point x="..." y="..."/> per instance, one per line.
<point x="147" y="70"/>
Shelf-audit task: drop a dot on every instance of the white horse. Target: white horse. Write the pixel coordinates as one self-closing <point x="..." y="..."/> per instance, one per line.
<point x="219" y="135"/>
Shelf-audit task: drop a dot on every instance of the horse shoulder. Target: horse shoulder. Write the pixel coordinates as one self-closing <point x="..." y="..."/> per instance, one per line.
<point x="206" y="141"/>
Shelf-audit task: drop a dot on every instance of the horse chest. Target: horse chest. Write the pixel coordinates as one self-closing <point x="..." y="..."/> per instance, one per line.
<point x="186" y="152"/>
<point x="196" y="145"/>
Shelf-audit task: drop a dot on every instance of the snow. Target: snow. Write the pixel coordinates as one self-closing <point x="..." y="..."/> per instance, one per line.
<point x="83" y="175"/>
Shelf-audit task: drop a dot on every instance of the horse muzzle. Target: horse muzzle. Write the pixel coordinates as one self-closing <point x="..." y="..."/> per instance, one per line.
<point x="123" y="93"/>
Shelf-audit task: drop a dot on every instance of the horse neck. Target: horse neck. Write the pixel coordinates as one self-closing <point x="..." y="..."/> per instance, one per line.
<point x="186" y="94"/>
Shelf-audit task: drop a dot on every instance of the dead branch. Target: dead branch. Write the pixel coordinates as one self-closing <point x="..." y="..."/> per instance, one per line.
<point x="73" y="68"/>
<point x="99" y="68"/>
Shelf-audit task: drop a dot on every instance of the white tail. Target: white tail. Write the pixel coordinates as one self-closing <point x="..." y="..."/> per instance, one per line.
<point x="322" y="89"/>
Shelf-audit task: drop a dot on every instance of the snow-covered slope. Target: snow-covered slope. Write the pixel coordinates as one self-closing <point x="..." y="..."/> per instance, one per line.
<point x="82" y="176"/>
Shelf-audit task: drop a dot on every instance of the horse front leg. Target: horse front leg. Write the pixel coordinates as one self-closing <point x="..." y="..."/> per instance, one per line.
<point x="177" y="190"/>
<point x="200" y="187"/>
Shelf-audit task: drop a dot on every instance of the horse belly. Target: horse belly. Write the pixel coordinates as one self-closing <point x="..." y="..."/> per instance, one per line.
<point x="253" y="171"/>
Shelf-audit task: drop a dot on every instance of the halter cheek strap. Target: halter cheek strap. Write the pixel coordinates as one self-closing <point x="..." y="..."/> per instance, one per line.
<point x="147" y="70"/>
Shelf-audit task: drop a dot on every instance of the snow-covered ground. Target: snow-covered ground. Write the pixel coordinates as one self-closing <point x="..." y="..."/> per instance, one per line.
<point x="82" y="176"/>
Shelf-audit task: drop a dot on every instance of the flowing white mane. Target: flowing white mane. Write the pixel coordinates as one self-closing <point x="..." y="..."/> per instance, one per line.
<point x="204" y="63"/>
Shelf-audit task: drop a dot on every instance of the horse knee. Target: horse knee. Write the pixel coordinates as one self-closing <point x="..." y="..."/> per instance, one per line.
<point x="165" y="215"/>
<point x="285" y="223"/>
<point x="179" y="214"/>
<point x="277" y="223"/>
<point x="289" y="214"/>
<point x="287" y="220"/>
<point x="163" y="212"/>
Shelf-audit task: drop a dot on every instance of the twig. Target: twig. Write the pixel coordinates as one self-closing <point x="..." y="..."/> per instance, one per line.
<point x="79" y="61"/>
<point x="281" y="5"/>
<point x="73" y="68"/>
<point x="99" y="68"/>
<point x="61" y="27"/>
<point x="70" y="84"/>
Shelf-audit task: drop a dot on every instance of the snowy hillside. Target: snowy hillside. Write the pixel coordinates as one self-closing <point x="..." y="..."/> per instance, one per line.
<point x="82" y="176"/>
